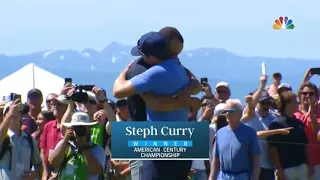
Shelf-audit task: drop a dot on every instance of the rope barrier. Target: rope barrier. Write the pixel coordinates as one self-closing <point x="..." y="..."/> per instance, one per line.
<point x="278" y="142"/>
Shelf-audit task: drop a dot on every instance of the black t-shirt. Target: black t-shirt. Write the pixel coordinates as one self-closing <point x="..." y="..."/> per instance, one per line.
<point x="136" y="105"/>
<point x="292" y="147"/>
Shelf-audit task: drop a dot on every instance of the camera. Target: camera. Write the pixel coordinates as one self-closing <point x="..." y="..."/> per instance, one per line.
<point x="14" y="96"/>
<point x="208" y="101"/>
<point x="80" y="131"/>
<point x="80" y="96"/>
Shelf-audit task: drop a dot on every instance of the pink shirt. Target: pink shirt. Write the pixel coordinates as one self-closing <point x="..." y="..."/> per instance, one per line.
<point x="50" y="137"/>
<point x="313" y="147"/>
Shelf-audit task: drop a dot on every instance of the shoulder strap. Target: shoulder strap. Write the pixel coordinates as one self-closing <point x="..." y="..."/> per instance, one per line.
<point x="6" y="146"/>
<point x="29" y="137"/>
<point x="66" y="158"/>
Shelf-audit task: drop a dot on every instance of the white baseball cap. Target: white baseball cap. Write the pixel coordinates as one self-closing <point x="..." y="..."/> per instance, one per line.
<point x="219" y="109"/>
<point x="284" y="85"/>
<point x="80" y="119"/>
<point x="222" y="84"/>
<point x="62" y="99"/>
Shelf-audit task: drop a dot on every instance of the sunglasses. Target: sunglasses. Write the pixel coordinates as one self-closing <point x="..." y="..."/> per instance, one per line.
<point x="229" y="111"/>
<point x="308" y="93"/>
<point x="221" y="92"/>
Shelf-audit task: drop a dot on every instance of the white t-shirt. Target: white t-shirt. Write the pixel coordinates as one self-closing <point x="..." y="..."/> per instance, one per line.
<point x="212" y="133"/>
<point x="198" y="164"/>
<point x="97" y="152"/>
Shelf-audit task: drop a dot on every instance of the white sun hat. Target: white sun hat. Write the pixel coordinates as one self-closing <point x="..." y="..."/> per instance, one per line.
<point x="80" y="119"/>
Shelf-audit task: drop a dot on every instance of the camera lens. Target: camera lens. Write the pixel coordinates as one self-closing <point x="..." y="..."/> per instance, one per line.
<point x="80" y="131"/>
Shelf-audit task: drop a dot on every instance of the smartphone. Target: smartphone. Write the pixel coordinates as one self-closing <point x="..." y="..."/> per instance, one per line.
<point x="208" y="101"/>
<point x="204" y="80"/>
<point x="67" y="80"/>
<point x="263" y="69"/>
<point x="14" y="96"/>
<point x="315" y="71"/>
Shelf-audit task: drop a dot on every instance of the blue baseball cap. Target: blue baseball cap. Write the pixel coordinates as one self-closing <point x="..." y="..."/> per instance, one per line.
<point x="264" y="96"/>
<point x="151" y="44"/>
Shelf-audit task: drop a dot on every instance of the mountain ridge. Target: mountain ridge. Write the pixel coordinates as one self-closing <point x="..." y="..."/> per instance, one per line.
<point x="102" y="67"/>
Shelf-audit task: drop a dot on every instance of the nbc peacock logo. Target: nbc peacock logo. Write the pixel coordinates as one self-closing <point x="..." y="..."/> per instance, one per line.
<point x="283" y="23"/>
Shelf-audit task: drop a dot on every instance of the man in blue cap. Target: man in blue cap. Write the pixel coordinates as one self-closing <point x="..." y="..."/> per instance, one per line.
<point x="136" y="105"/>
<point x="166" y="78"/>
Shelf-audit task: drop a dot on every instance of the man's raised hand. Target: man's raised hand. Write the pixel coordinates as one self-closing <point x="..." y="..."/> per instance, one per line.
<point x="263" y="81"/>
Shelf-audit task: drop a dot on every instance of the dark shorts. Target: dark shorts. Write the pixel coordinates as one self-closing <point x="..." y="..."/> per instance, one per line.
<point x="168" y="170"/>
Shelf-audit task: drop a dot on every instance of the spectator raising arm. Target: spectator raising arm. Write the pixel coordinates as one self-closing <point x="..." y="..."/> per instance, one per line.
<point x="256" y="95"/>
<point x="58" y="155"/>
<point x="103" y="99"/>
<point x="249" y="112"/>
<point x="4" y="126"/>
<point x="307" y="76"/>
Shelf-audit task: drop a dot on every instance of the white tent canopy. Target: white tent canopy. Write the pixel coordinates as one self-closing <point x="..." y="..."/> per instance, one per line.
<point x="29" y="77"/>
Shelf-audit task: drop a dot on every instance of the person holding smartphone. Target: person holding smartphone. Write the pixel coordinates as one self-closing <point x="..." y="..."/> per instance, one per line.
<point x="19" y="156"/>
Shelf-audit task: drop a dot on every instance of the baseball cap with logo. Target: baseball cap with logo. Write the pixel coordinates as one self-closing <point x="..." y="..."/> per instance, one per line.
<point x="152" y="44"/>
<point x="80" y="119"/>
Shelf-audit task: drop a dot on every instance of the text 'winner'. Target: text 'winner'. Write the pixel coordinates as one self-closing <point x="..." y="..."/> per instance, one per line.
<point x="166" y="149"/>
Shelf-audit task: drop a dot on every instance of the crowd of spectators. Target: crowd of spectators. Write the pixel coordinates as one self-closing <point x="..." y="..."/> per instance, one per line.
<point x="274" y="136"/>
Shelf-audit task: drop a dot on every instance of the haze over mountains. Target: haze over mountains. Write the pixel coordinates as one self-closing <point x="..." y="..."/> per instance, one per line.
<point x="102" y="67"/>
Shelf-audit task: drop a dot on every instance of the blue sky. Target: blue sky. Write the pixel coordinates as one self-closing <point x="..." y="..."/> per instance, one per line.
<point x="243" y="27"/>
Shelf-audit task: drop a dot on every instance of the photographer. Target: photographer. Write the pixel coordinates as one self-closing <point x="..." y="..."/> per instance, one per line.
<point x="75" y="156"/>
<point x="88" y="102"/>
<point x="19" y="154"/>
